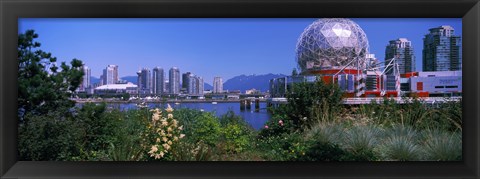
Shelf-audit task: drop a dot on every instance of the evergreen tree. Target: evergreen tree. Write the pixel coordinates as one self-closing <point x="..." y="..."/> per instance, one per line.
<point x="42" y="85"/>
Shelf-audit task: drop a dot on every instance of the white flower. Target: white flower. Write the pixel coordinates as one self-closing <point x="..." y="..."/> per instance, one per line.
<point x="169" y="129"/>
<point x="169" y="109"/>
<point x="174" y="123"/>
<point x="180" y="128"/>
<point x="170" y="116"/>
<point x="182" y="135"/>
<point x="169" y="142"/>
<point x="164" y="139"/>
<point x="164" y="123"/>
<point x="158" y="140"/>
<point x="166" y="146"/>
<point x="153" y="149"/>
<point x="156" y="117"/>
<point x="175" y="138"/>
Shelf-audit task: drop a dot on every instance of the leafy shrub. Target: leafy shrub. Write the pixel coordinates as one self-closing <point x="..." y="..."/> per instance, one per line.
<point x="48" y="137"/>
<point x="323" y="151"/>
<point x="206" y="128"/>
<point x="97" y="125"/>
<point x="77" y="134"/>
<point x="312" y="102"/>
<point x="275" y="126"/>
<point x="187" y="117"/>
<point x="127" y="145"/>
<point x="286" y="147"/>
<point x="236" y="139"/>
<point x="237" y="134"/>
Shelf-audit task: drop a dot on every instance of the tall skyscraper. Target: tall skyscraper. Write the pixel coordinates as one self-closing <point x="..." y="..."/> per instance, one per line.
<point x="185" y="82"/>
<point x="167" y="86"/>
<point x="192" y="84"/>
<point x="110" y="74"/>
<point x="201" y="85"/>
<point x="217" y="85"/>
<point x="195" y="85"/>
<point x="144" y="81"/>
<point x="158" y="81"/>
<point x="102" y="82"/>
<point x="174" y="79"/>
<point x="442" y="50"/>
<point x="402" y="50"/>
<point x="85" y="79"/>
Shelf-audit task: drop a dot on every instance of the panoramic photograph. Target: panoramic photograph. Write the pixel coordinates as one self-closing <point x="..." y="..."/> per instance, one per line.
<point x="240" y="89"/>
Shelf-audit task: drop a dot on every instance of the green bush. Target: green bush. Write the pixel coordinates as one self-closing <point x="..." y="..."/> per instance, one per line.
<point x="401" y="148"/>
<point x="323" y="151"/>
<point x="78" y="134"/>
<point x="442" y="145"/>
<point x="285" y="147"/>
<point x="312" y="102"/>
<point x="401" y="143"/>
<point x="187" y="117"/>
<point x="49" y="137"/>
<point x="97" y="125"/>
<point x="323" y="132"/>
<point x="127" y="143"/>
<point x="187" y="151"/>
<point x="206" y="128"/>
<point x="275" y="126"/>
<point x="236" y="139"/>
<point x="450" y="114"/>
<point x="360" y="142"/>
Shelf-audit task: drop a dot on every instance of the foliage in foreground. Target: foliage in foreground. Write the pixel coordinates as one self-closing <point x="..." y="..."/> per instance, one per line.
<point x="103" y="134"/>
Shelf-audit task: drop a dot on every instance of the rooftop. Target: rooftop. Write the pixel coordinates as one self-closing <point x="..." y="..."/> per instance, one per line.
<point x="116" y="86"/>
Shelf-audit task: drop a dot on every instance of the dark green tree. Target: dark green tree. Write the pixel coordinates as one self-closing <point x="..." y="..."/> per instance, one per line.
<point x="42" y="85"/>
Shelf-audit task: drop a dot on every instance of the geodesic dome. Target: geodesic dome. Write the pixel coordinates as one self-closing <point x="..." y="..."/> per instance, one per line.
<point x="331" y="43"/>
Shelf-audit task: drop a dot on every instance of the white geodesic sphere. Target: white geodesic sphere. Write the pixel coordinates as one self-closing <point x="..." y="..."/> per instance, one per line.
<point x="331" y="42"/>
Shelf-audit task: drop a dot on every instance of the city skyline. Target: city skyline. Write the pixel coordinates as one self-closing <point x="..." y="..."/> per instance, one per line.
<point x="210" y="47"/>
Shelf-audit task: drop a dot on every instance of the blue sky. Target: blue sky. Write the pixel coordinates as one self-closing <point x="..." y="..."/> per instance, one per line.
<point x="206" y="47"/>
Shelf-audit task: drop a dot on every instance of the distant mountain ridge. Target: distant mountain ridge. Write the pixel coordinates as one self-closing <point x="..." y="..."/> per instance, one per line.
<point x="244" y="82"/>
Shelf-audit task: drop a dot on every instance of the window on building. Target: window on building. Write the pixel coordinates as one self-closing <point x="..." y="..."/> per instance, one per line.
<point x="451" y="87"/>
<point x="419" y="86"/>
<point x="439" y="86"/>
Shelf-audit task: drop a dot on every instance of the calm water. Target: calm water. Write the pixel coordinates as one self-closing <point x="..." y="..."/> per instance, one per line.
<point x="256" y="119"/>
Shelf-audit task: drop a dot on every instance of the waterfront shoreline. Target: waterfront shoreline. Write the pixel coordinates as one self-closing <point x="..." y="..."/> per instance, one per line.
<point x="161" y="101"/>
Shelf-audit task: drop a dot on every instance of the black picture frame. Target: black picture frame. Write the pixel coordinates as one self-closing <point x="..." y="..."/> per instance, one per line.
<point x="11" y="10"/>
